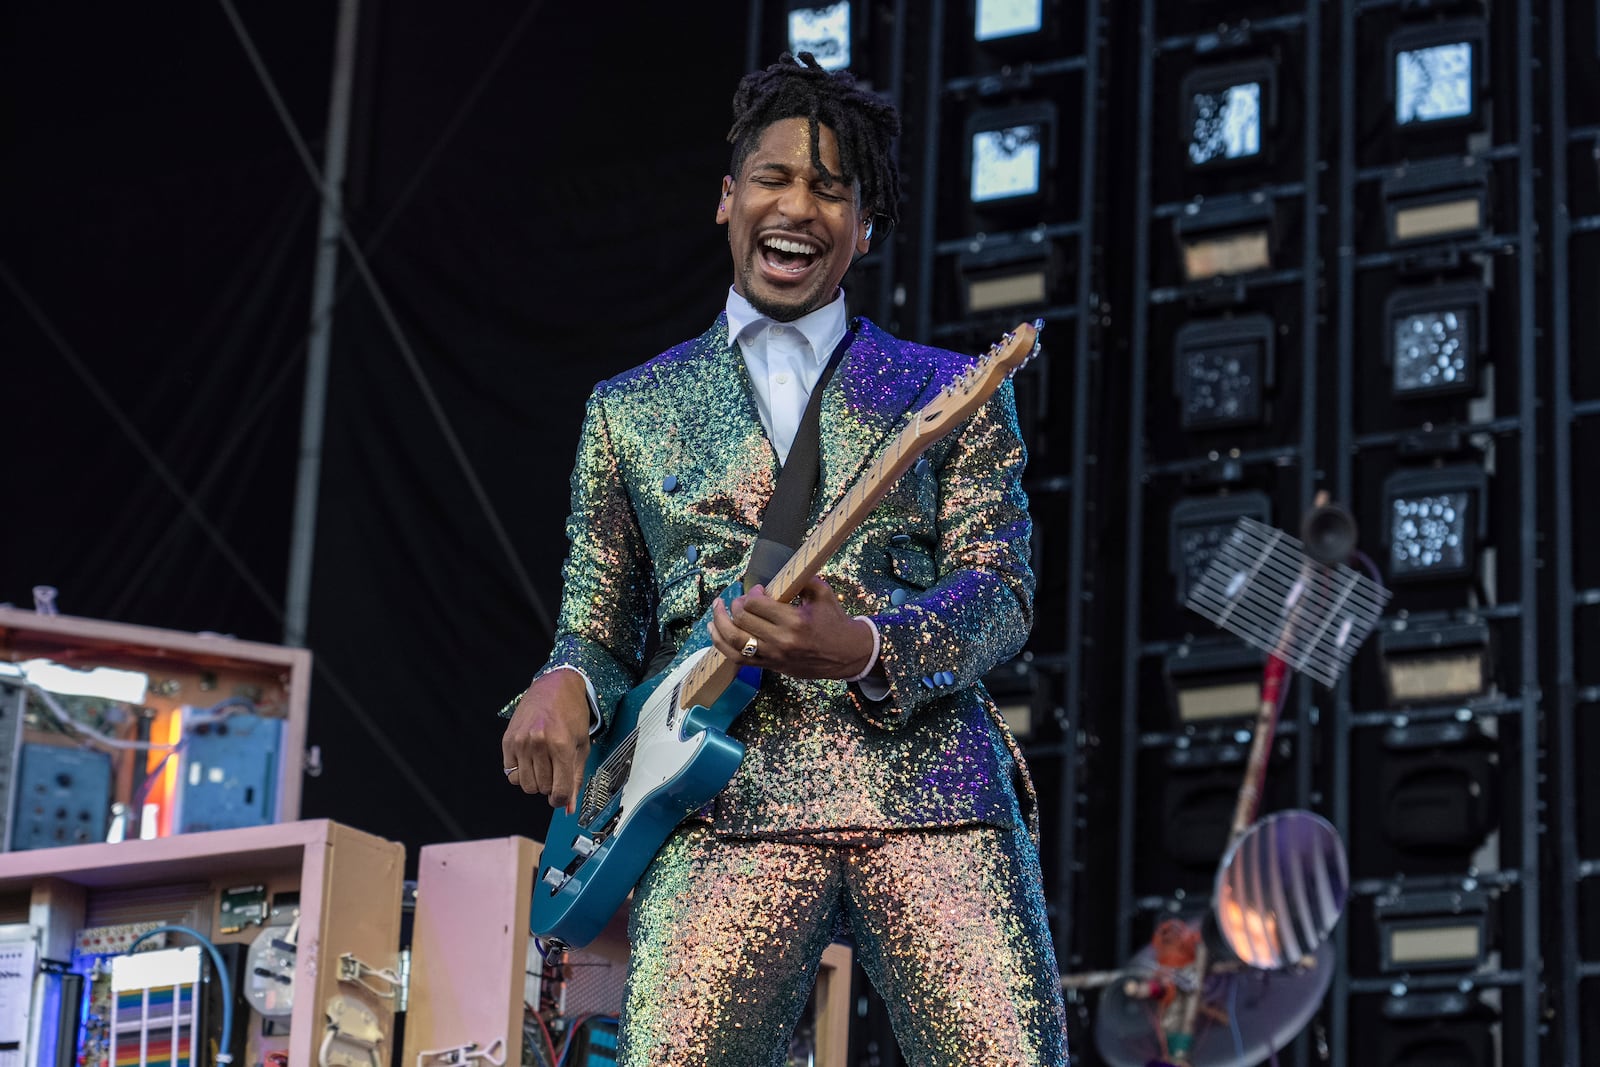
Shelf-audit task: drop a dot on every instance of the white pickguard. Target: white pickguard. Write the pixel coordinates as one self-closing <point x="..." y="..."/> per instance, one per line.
<point x="660" y="754"/>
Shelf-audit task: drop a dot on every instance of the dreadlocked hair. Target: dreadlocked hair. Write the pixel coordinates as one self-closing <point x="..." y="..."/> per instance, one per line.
<point x="864" y="123"/>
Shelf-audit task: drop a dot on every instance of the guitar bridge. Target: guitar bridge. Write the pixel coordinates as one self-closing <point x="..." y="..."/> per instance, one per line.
<point x="604" y="783"/>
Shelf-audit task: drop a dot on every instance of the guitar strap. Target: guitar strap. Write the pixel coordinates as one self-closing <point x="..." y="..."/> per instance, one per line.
<point x="783" y="524"/>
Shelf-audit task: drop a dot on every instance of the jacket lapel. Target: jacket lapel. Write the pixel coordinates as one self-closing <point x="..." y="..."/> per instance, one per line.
<point x="723" y="428"/>
<point x="864" y="405"/>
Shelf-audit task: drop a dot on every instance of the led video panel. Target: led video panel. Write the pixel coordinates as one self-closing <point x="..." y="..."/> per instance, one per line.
<point x="1434" y="73"/>
<point x="1227" y="113"/>
<point x="824" y="31"/>
<point x="1009" y="155"/>
<point x="996" y="19"/>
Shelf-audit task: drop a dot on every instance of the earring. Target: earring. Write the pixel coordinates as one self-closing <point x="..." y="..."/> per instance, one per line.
<point x="868" y="232"/>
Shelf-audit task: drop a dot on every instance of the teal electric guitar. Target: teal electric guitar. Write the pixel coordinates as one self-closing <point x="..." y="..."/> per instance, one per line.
<point x="667" y="751"/>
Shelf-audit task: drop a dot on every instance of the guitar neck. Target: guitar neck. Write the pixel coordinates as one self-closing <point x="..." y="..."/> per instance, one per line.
<point x="712" y="675"/>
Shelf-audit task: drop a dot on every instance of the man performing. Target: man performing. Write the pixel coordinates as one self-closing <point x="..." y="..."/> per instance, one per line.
<point x="876" y="792"/>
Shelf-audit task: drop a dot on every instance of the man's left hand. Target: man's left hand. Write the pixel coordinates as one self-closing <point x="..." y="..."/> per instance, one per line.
<point x="810" y="638"/>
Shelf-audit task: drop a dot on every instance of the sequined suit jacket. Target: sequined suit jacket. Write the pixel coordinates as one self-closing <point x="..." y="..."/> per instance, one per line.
<point x="672" y="474"/>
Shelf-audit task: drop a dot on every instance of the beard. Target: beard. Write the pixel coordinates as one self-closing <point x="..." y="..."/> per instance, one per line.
<point x="802" y="302"/>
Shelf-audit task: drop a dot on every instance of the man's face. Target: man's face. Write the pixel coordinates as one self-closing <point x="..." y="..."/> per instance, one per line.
<point x="793" y="233"/>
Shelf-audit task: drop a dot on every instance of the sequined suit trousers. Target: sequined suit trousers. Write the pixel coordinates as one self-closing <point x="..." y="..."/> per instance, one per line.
<point x="728" y="933"/>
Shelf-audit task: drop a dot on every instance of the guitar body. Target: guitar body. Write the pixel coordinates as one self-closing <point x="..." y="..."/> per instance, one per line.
<point x="656" y="765"/>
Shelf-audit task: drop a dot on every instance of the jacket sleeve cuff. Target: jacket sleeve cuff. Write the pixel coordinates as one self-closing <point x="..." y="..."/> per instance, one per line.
<point x="595" y="721"/>
<point x="875" y="689"/>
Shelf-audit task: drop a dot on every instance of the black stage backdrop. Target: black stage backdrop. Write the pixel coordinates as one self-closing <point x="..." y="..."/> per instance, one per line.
<point x="535" y="185"/>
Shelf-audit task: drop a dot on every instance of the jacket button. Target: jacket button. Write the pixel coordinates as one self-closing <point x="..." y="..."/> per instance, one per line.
<point x="900" y="539"/>
<point x="669" y="484"/>
<point x="692" y="553"/>
<point x="898" y="597"/>
<point x="945" y="678"/>
<point x="921" y="468"/>
<point x="927" y="682"/>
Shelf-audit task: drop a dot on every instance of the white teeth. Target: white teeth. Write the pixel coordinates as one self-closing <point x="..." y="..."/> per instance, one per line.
<point x="783" y="244"/>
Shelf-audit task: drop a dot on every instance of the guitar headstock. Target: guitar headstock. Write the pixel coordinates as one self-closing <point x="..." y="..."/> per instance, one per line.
<point x="978" y="383"/>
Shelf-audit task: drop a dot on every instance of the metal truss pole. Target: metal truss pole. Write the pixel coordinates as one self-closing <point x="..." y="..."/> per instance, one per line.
<point x="1138" y="361"/>
<point x="1564" y="758"/>
<point x="303" y="532"/>
<point x="1529" y="479"/>
<point x="1343" y="464"/>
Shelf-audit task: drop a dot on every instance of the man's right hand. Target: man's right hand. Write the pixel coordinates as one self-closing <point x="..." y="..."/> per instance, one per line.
<point x="547" y="740"/>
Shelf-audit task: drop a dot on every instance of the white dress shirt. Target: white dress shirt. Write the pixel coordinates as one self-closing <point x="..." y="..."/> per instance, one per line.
<point x="784" y="359"/>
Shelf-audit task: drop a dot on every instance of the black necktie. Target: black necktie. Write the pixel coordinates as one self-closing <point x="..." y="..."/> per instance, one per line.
<point x="784" y="522"/>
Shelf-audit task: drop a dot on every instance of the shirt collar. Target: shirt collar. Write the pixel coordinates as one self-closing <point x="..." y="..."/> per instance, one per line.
<point x="823" y="328"/>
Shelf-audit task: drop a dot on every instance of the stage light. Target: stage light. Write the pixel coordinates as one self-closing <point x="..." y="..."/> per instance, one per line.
<point x="1433" y="83"/>
<point x="1221" y="371"/>
<point x="1434" y="662"/>
<point x="1198" y="794"/>
<point x="1199" y="526"/>
<point x="1451" y="1028"/>
<point x="1224" y="236"/>
<point x="1438" y="791"/>
<point x="1005" y="275"/>
<point x="1433" y="930"/>
<point x="1211" y="682"/>
<point x="1009" y="153"/>
<point x="996" y="19"/>
<point x="1437" y="198"/>
<point x="1436" y="518"/>
<point x="824" y="31"/>
<point x="1006" y="163"/>
<point x="1228" y="112"/>
<point x="1435" y="338"/>
<point x="1434" y="73"/>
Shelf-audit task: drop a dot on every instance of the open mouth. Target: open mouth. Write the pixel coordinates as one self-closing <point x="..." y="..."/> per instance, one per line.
<point x="788" y="256"/>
